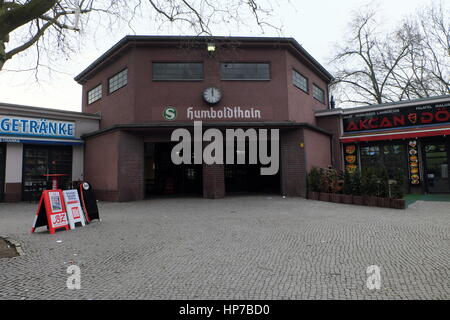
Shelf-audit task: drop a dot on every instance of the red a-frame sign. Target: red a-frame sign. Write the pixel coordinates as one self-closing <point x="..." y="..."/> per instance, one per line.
<point x="51" y="211"/>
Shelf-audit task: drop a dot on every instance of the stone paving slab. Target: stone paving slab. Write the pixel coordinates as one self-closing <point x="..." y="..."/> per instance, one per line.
<point x="249" y="247"/>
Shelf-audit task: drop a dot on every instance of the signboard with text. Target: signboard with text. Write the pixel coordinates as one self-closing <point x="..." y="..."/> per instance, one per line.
<point x="51" y="211"/>
<point x="74" y="210"/>
<point x="398" y="118"/>
<point x="36" y="127"/>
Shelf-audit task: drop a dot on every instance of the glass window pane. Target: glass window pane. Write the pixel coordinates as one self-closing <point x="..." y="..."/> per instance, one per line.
<point x="95" y="94"/>
<point x="177" y="71"/>
<point x="318" y="93"/>
<point x="245" y="71"/>
<point x="299" y="81"/>
<point x="118" y="81"/>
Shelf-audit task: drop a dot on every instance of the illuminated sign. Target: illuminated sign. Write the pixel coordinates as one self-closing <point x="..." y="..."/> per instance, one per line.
<point x="35" y="127"/>
<point x="398" y="118"/>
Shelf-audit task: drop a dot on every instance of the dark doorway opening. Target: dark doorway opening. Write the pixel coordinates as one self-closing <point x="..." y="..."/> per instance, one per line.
<point x="2" y="170"/>
<point x="163" y="177"/>
<point x="247" y="178"/>
<point x="39" y="160"/>
<point x="436" y="156"/>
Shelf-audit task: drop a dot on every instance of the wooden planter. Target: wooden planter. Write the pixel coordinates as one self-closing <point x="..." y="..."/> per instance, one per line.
<point x="347" y="199"/>
<point x="398" y="204"/>
<point x="324" y="196"/>
<point x="358" y="200"/>
<point x="384" y="202"/>
<point x="313" y="195"/>
<point x="370" y="201"/>
<point x="336" y="198"/>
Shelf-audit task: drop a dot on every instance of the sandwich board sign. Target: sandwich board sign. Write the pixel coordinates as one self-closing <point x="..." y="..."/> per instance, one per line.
<point x="74" y="211"/>
<point x="89" y="201"/>
<point x="51" y="212"/>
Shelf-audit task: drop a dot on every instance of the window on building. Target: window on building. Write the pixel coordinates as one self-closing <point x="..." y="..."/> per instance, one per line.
<point x="177" y="71"/>
<point x="118" y="81"/>
<point x="318" y="93"/>
<point x="95" y="94"/>
<point x="299" y="81"/>
<point x="245" y="71"/>
<point x="390" y="156"/>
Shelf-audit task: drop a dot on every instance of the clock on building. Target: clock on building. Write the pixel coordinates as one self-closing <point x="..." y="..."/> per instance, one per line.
<point x="212" y="95"/>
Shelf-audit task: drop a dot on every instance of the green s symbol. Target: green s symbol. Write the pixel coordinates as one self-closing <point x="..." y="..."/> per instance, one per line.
<point x="170" y="113"/>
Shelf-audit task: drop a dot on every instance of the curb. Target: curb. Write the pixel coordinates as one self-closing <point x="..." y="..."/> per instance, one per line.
<point x="16" y="244"/>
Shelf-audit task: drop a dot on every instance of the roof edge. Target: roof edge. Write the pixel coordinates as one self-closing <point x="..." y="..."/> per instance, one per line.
<point x="174" y="39"/>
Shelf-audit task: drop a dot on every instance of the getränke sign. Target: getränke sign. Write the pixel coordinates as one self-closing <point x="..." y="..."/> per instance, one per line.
<point x="36" y="127"/>
<point x="397" y="118"/>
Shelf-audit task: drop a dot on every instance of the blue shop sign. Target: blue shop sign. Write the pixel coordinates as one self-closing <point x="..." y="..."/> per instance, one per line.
<point x="34" y="127"/>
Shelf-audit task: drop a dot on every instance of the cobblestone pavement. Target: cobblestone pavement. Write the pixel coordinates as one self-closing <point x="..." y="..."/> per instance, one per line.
<point x="252" y="247"/>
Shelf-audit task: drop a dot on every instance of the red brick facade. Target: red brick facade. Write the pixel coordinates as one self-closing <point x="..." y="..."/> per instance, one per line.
<point x="133" y="115"/>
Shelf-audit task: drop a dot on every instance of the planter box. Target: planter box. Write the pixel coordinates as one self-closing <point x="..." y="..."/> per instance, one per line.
<point x="324" y="196"/>
<point x="347" y="199"/>
<point x="358" y="200"/>
<point x="336" y="198"/>
<point x="398" y="204"/>
<point x="370" y="201"/>
<point x="384" y="202"/>
<point x="313" y="195"/>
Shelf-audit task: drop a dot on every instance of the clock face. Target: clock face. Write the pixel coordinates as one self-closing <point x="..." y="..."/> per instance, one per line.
<point x="212" y="95"/>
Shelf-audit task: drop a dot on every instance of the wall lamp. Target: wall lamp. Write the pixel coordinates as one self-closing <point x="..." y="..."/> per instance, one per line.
<point x="211" y="47"/>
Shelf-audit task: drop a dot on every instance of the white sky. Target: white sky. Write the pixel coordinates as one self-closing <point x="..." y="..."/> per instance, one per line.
<point x="316" y="25"/>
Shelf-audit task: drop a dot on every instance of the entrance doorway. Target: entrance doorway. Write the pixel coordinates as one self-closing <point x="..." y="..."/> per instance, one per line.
<point x="436" y="156"/>
<point x="2" y="170"/>
<point x="247" y="178"/>
<point x="39" y="160"/>
<point x="163" y="177"/>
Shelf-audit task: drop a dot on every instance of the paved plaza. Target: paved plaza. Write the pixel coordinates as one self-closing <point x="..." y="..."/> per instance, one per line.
<point x="249" y="247"/>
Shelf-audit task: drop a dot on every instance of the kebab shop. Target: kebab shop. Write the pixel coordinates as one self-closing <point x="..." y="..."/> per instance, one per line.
<point x="411" y="136"/>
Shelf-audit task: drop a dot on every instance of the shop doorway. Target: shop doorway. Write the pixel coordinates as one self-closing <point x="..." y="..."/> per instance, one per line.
<point x="2" y="170"/>
<point x="39" y="160"/>
<point x="436" y="156"/>
<point x="164" y="178"/>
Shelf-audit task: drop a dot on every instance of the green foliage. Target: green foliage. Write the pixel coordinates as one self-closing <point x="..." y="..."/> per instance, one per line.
<point x="314" y="180"/>
<point x="398" y="188"/>
<point x="371" y="181"/>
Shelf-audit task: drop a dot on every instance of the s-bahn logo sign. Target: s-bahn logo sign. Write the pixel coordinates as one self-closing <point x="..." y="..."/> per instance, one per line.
<point x="397" y="118"/>
<point x="170" y="113"/>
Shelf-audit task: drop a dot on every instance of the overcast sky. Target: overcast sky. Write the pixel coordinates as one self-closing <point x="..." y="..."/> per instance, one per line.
<point x="316" y="25"/>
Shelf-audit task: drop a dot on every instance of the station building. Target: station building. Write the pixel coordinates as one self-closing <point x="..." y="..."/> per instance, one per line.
<point x="145" y="87"/>
<point x="411" y="136"/>
<point x="36" y="143"/>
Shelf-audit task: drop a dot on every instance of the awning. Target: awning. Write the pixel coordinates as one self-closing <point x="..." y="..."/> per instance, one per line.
<point x="396" y="135"/>
<point x="28" y="140"/>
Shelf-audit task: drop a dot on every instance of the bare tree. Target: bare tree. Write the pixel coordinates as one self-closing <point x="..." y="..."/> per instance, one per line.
<point x="425" y="71"/>
<point x="377" y="66"/>
<point x="48" y="25"/>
